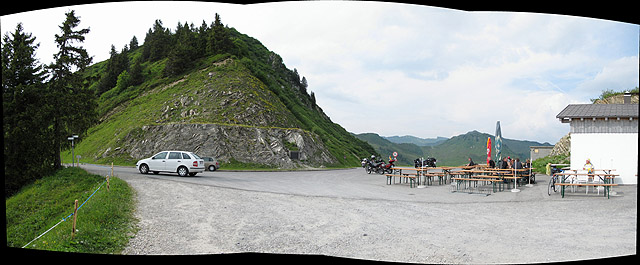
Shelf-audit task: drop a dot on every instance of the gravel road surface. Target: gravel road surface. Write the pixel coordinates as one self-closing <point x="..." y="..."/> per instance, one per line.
<point x="350" y="214"/>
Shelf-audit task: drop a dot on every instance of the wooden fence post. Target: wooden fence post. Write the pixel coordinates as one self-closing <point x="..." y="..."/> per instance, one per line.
<point x="75" y="215"/>
<point x="108" y="187"/>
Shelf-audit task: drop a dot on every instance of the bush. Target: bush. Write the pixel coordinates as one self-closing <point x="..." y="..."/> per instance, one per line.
<point x="540" y="164"/>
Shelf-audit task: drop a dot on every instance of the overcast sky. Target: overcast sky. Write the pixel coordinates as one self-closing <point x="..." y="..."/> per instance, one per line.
<point x="399" y="69"/>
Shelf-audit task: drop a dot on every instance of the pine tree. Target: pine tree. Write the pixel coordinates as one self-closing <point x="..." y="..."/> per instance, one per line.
<point x="72" y="104"/>
<point x="183" y="52"/>
<point x="136" y="77"/>
<point x="220" y="41"/>
<point x="27" y="136"/>
<point x="133" y="44"/>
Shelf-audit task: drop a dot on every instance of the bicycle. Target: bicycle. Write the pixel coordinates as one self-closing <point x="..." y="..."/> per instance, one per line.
<point x="552" y="184"/>
<point x="553" y="180"/>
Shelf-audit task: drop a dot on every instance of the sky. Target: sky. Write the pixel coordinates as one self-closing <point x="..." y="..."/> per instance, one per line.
<point x="399" y="69"/>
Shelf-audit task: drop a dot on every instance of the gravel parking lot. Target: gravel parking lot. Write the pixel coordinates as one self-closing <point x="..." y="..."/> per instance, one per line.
<point x="350" y="214"/>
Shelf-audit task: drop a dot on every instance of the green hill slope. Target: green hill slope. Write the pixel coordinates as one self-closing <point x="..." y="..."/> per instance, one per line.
<point x="242" y="105"/>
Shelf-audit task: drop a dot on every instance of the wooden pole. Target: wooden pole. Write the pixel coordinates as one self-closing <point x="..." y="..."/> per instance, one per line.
<point x="108" y="186"/>
<point x="75" y="215"/>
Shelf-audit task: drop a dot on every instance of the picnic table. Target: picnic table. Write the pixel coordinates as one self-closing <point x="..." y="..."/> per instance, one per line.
<point x="606" y="179"/>
<point x="416" y="174"/>
<point x="493" y="179"/>
<point x="397" y="172"/>
<point x="494" y="175"/>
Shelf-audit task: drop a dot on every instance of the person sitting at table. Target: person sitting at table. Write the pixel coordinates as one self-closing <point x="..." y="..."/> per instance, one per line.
<point x="492" y="164"/>
<point x="471" y="162"/>
<point x="527" y="163"/>
<point x="588" y="167"/>
<point x="504" y="164"/>
<point x="517" y="164"/>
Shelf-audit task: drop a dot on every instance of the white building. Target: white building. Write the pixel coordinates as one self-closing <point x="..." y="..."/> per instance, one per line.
<point x="607" y="134"/>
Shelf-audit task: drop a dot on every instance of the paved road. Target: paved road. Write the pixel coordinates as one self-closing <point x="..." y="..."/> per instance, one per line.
<point x="348" y="213"/>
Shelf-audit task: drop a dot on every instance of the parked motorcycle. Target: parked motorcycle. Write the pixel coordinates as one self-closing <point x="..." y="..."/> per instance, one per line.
<point x="374" y="166"/>
<point x="429" y="162"/>
<point x="387" y="168"/>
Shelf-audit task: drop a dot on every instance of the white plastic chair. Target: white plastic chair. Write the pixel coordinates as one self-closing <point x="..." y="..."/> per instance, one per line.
<point x="583" y="179"/>
<point x="598" y="180"/>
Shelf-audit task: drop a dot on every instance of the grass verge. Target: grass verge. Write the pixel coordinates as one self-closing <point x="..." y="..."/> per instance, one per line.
<point x="105" y="223"/>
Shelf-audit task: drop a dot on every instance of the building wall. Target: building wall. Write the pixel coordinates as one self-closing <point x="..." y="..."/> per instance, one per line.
<point x="617" y="151"/>
<point x="612" y="125"/>
<point x="536" y="152"/>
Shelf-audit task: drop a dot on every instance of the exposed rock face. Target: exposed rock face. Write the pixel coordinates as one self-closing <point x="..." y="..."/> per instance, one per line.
<point x="225" y="142"/>
<point x="562" y="147"/>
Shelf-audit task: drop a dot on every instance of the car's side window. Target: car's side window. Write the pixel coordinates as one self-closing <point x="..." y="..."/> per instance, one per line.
<point x="186" y="156"/>
<point x="160" y="155"/>
<point x="175" y="155"/>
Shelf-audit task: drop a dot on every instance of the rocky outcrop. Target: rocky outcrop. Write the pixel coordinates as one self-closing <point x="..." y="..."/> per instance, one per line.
<point x="562" y="147"/>
<point x="246" y="144"/>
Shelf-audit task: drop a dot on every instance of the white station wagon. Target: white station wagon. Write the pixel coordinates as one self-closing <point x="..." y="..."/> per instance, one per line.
<point x="181" y="162"/>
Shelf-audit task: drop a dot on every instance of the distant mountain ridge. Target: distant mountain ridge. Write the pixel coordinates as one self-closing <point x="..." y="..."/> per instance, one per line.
<point x="450" y="152"/>
<point x="416" y="140"/>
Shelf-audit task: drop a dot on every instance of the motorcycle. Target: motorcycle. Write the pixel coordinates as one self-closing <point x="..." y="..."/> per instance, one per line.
<point x="373" y="165"/>
<point x="429" y="162"/>
<point x="387" y="168"/>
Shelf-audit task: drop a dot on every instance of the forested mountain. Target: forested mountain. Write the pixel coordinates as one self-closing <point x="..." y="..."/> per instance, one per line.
<point x="214" y="91"/>
<point x="451" y="152"/>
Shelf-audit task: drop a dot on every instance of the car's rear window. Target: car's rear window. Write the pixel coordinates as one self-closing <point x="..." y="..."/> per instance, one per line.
<point x="196" y="156"/>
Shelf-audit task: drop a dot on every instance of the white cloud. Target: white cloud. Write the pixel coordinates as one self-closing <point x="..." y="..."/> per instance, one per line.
<point x="617" y="75"/>
<point x="399" y="69"/>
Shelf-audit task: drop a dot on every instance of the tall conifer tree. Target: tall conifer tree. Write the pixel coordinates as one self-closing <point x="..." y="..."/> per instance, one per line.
<point x="27" y="137"/>
<point x="73" y="104"/>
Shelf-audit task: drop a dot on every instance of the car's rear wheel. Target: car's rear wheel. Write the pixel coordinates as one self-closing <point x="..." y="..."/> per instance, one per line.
<point x="183" y="171"/>
<point x="212" y="168"/>
<point x="144" y="169"/>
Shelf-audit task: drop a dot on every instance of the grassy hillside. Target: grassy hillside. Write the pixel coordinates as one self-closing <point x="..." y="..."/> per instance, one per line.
<point x="104" y="222"/>
<point x="248" y="87"/>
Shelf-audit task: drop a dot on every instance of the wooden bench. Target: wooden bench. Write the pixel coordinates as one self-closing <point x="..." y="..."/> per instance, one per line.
<point x="493" y="181"/>
<point x="607" y="186"/>
<point x="430" y="176"/>
<point x="410" y="177"/>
